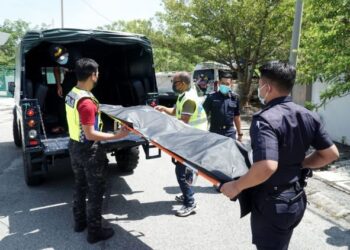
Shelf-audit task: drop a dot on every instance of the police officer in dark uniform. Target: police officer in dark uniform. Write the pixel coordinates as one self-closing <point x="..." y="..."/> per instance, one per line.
<point x="281" y="133"/>
<point x="222" y="108"/>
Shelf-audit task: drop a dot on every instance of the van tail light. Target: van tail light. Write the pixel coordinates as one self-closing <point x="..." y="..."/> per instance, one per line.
<point x="32" y="134"/>
<point x="33" y="142"/>
<point x="31" y="123"/>
<point x="30" y="112"/>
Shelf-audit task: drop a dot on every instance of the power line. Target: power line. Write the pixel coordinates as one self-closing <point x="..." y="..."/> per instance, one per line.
<point x="96" y="11"/>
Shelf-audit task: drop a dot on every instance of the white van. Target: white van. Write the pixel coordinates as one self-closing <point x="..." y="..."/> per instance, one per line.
<point x="165" y="90"/>
<point x="206" y="75"/>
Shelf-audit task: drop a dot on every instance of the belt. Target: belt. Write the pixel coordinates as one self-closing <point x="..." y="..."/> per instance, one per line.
<point x="294" y="187"/>
<point x="288" y="200"/>
<point x="223" y="127"/>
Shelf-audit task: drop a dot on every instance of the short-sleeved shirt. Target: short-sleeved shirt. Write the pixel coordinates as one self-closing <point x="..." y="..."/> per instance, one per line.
<point x="188" y="107"/>
<point x="221" y="109"/>
<point x="283" y="131"/>
<point x="87" y="111"/>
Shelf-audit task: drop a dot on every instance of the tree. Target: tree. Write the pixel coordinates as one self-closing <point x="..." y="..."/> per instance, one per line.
<point x="16" y="29"/>
<point x="165" y="58"/>
<point x="239" y="34"/>
<point x="324" y="49"/>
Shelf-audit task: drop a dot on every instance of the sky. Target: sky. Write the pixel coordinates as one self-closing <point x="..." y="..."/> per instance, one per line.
<point x="85" y="14"/>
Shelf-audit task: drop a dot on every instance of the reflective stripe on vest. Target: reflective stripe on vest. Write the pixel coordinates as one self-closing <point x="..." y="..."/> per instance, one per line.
<point x="76" y="132"/>
<point x="199" y="117"/>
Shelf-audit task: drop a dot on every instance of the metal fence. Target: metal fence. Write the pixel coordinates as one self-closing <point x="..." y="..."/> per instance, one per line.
<point x="7" y="81"/>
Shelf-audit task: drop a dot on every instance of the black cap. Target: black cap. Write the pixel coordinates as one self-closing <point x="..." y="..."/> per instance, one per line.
<point x="225" y="74"/>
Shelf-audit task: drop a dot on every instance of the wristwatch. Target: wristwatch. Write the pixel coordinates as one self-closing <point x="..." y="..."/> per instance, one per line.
<point x="241" y="134"/>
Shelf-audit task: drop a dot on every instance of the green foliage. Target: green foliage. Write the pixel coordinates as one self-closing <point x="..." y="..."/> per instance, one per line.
<point x="16" y="29"/>
<point x="337" y="87"/>
<point x="166" y="59"/>
<point x="245" y="33"/>
<point x="310" y="106"/>
<point x="324" y="50"/>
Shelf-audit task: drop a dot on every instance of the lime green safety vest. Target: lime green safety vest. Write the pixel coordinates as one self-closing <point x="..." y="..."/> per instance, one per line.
<point x="199" y="118"/>
<point x="76" y="132"/>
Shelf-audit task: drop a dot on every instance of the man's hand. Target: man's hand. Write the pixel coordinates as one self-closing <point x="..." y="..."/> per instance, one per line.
<point x="230" y="189"/>
<point x="240" y="136"/>
<point x="159" y="108"/>
<point x="59" y="90"/>
<point x="169" y="111"/>
<point x="122" y="132"/>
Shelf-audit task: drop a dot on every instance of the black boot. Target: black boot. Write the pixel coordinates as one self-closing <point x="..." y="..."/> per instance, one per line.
<point x="79" y="226"/>
<point x="101" y="234"/>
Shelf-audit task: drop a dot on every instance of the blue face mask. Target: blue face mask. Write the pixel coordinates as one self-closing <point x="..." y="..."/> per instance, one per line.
<point x="224" y="89"/>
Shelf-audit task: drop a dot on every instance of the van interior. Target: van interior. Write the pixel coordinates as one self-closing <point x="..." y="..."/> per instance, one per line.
<point x="126" y="76"/>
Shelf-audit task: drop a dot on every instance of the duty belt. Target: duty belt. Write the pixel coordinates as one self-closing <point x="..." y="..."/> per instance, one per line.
<point x="295" y="187"/>
<point x="289" y="200"/>
<point x="223" y="127"/>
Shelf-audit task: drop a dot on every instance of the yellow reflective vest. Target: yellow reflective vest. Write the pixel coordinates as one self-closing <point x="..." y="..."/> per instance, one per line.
<point x="76" y="132"/>
<point x="199" y="117"/>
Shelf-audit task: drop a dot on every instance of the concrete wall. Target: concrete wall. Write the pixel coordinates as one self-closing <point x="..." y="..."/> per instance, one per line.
<point x="301" y="93"/>
<point x="335" y="114"/>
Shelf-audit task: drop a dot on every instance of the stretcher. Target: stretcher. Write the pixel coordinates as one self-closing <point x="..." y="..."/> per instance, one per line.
<point x="216" y="158"/>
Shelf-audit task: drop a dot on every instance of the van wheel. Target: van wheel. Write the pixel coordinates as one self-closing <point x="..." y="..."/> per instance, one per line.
<point x="31" y="178"/>
<point x="127" y="159"/>
<point x="17" y="138"/>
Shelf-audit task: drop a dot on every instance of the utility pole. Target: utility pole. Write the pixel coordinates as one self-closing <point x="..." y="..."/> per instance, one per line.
<point x="62" y="23"/>
<point x="300" y="93"/>
<point x="296" y="32"/>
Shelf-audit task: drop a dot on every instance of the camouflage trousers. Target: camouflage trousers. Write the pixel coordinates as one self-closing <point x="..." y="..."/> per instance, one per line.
<point x="88" y="162"/>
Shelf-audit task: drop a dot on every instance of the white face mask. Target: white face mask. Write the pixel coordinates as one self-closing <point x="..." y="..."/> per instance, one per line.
<point x="62" y="60"/>
<point x="262" y="99"/>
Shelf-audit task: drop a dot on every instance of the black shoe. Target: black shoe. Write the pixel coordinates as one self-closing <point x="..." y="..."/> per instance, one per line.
<point x="180" y="198"/>
<point x="102" y="234"/>
<point x="79" y="226"/>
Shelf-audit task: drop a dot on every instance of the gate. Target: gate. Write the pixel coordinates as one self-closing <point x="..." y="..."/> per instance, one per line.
<point x="7" y="81"/>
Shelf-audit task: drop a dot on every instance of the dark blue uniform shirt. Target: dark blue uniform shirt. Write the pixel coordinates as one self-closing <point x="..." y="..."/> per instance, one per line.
<point x="283" y="131"/>
<point x="221" y="109"/>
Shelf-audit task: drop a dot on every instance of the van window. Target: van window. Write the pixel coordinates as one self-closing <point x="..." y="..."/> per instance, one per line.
<point x="164" y="83"/>
<point x="49" y="76"/>
<point x="208" y="74"/>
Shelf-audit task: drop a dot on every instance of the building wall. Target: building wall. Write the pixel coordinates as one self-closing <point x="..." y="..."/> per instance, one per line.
<point x="335" y="114"/>
<point x="7" y="76"/>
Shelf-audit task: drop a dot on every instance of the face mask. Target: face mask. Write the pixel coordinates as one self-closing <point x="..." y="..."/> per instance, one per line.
<point x="63" y="59"/>
<point x="224" y="89"/>
<point x="262" y="99"/>
<point x="176" y="91"/>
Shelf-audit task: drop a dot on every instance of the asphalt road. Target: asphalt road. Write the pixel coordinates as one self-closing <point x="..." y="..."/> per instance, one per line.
<point x="140" y="207"/>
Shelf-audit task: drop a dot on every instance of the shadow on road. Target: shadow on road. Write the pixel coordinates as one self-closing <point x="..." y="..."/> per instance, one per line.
<point x="41" y="217"/>
<point x="338" y="237"/>
<point x="196" y="189"/>
<point x="8" y="152"/>
<point x="123" y="209"/>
